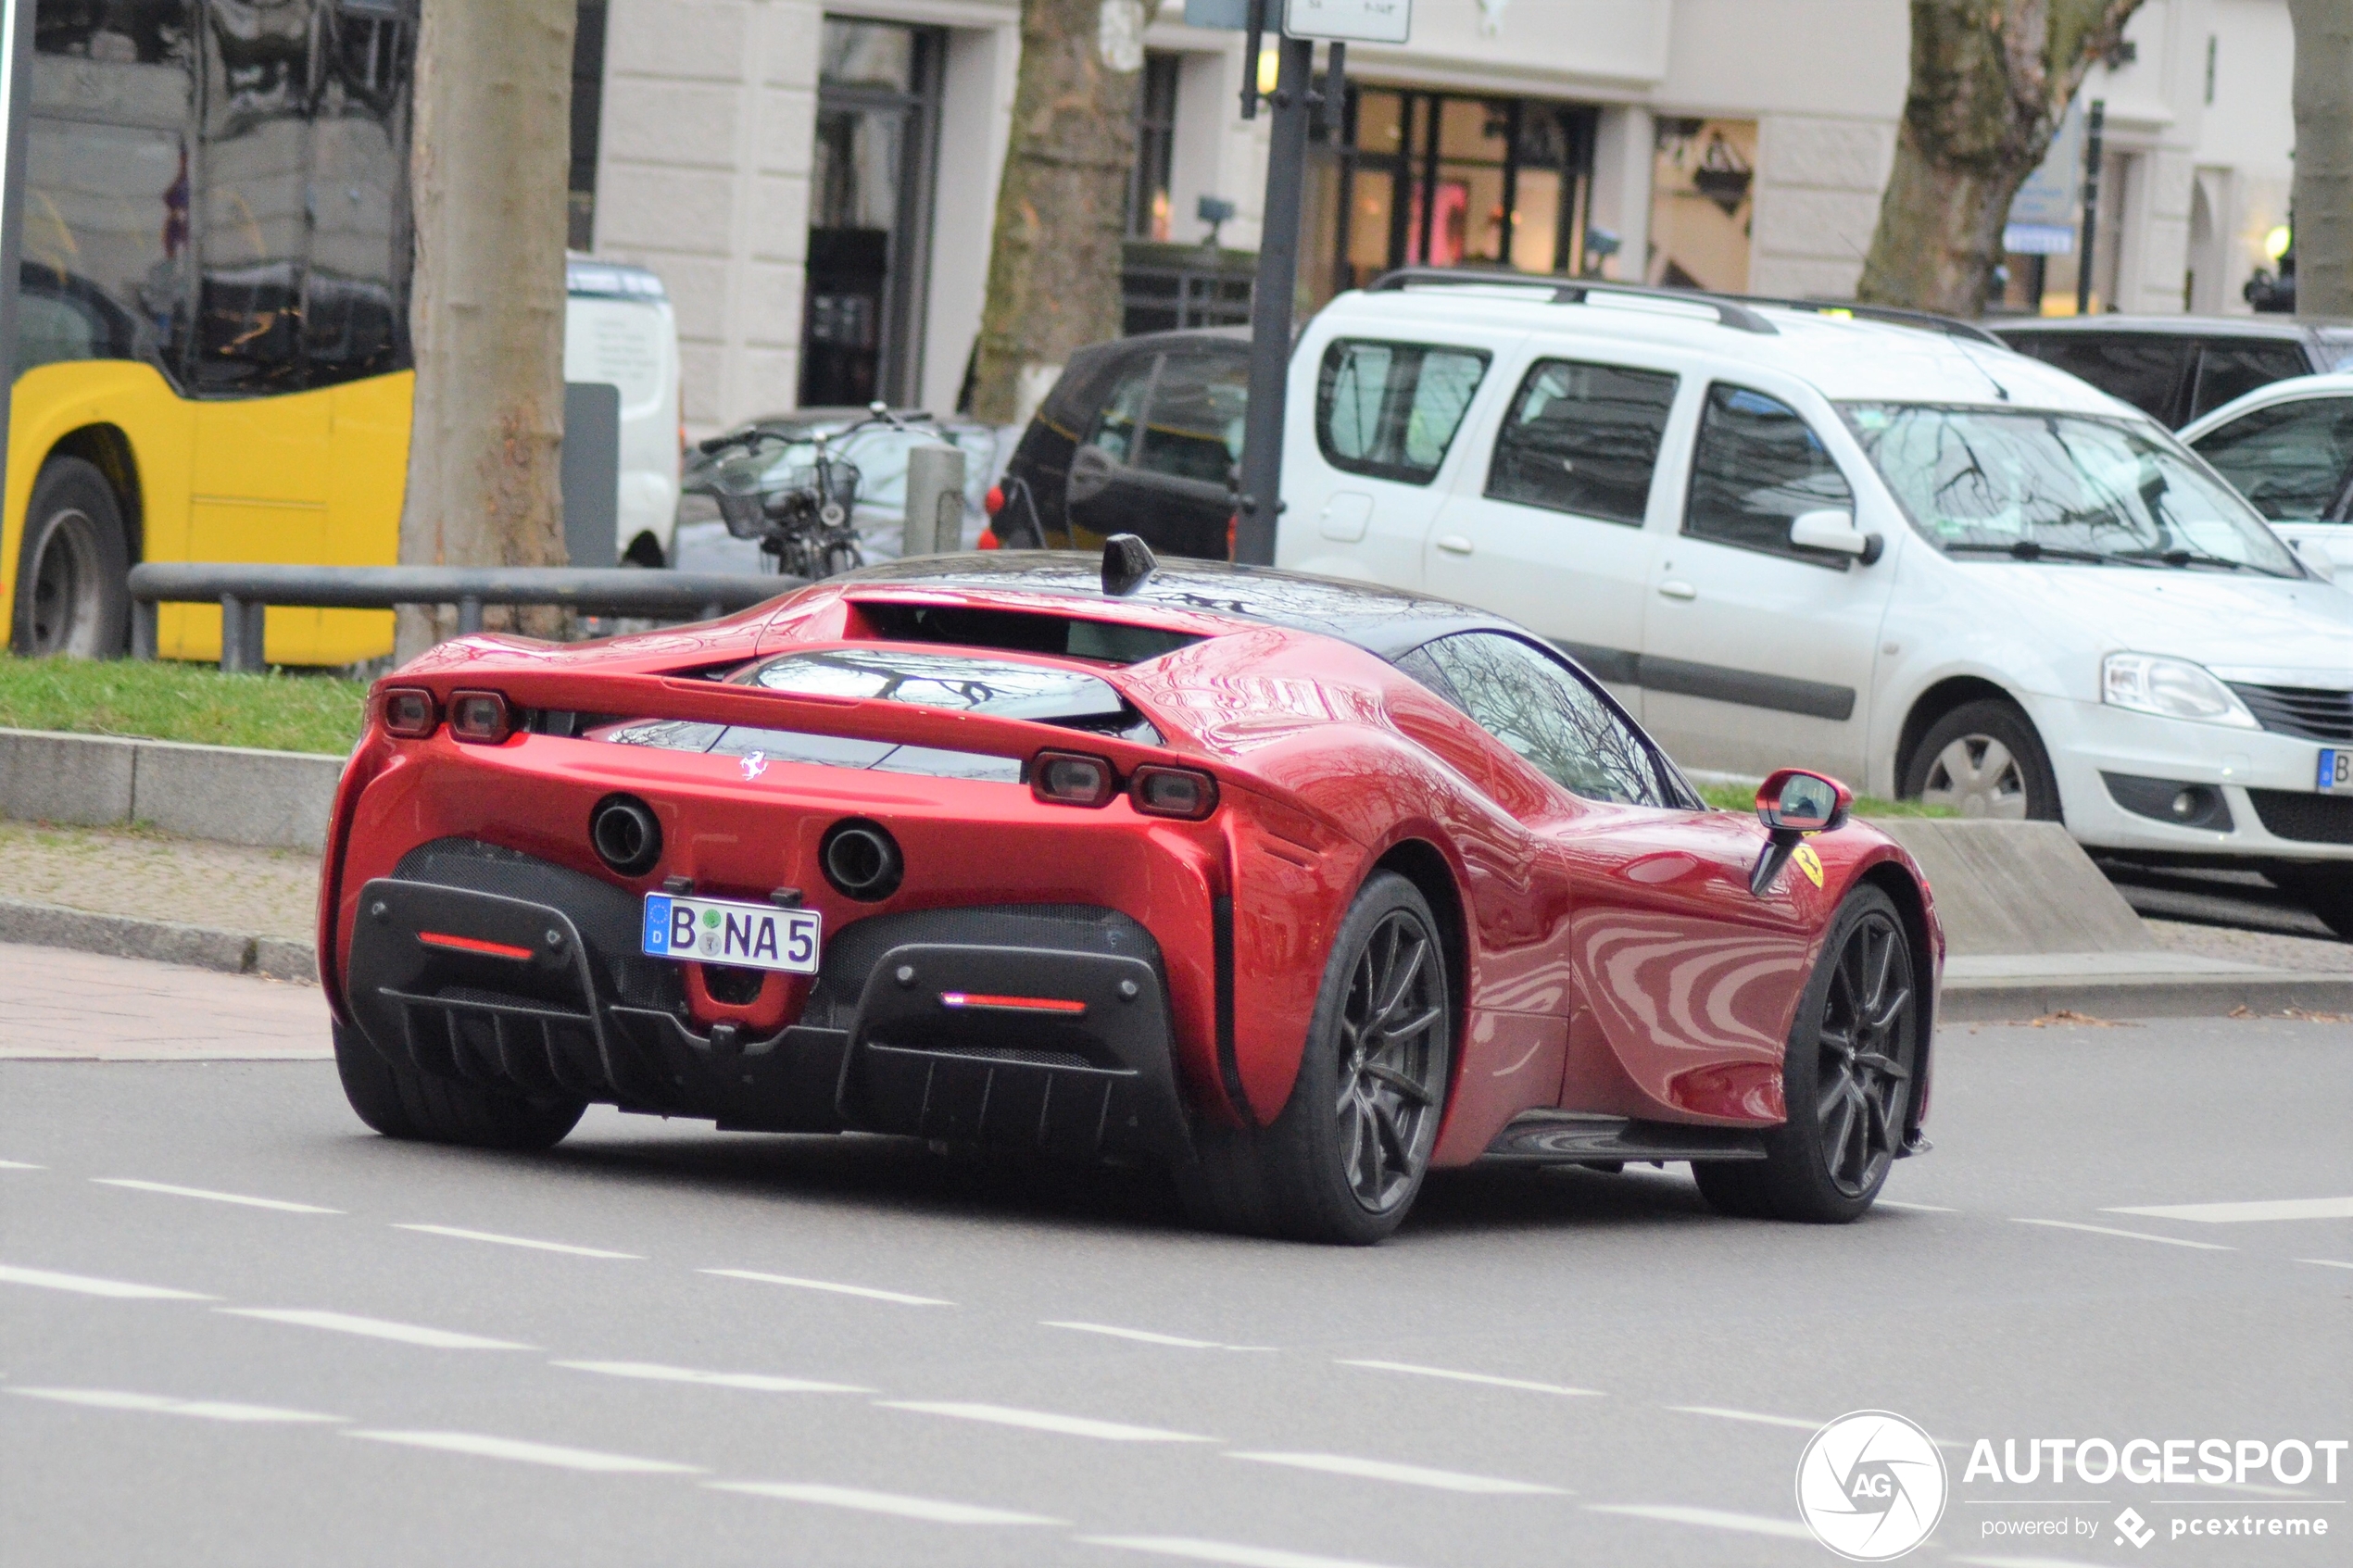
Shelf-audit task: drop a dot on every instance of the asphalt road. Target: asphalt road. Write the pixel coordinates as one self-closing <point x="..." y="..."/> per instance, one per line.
<point x="237" y="1328"/>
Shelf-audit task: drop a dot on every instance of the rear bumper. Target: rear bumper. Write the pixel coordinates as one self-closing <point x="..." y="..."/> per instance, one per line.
<point x="544" y="992"/>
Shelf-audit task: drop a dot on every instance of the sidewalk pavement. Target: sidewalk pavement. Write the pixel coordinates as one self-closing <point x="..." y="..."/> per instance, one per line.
<point x="61" y="1006"/>
<point x="137" y="894"/>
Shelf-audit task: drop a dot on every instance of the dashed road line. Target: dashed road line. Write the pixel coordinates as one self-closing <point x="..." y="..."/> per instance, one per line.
<point x="2239" y="1213"/>
<point x="281" y="1205"/>
<point x="158" y="1404"/>
<point x="2326" y="1263"/>
<point x="1045" y="1421"/>
<point x="2132" y="1235"/>
<point x="463" y="1234"/>
<point x="930" y="1510"/>
<point x="1404" y="1475"/>
<point x="375" y="1328"/>
<point x="1721" y="1413"/>
<point x="20" y="1165"/>
<point x="759" y="1383"/>
<point x="85" y="1285"/>
<point x="479" y="1446"/>
<point x="1474" y="1377"/>
<point x="1231" y="1553"/>
<point x="1714" y="1518"/>
<point x="834" y="1288"/>
<point x="1141" y="1335"/>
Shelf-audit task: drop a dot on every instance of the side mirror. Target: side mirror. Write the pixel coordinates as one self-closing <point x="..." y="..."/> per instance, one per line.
<point x="1830" y="530"/>
<point x="1793" y="804"/>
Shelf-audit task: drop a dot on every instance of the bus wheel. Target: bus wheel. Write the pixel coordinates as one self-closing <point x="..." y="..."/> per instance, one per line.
<point x="71" y="594"/>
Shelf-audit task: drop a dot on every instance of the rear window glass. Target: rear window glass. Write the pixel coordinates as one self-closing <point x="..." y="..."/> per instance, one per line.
<point x="1020" y="632"/>
<point x="1000" y="688"/>
<point x="1389" y="411"/>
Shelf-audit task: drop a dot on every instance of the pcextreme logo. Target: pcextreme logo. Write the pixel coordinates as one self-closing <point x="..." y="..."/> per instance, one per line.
<point x="1871" y="1486"/>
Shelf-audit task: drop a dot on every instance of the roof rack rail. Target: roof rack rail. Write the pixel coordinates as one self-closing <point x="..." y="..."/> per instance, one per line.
<point x="1570" y="291"/>
<point x="1895" y="315"/>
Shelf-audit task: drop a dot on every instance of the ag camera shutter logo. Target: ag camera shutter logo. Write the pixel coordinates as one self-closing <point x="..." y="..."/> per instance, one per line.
<point x="1871" y="1486"/>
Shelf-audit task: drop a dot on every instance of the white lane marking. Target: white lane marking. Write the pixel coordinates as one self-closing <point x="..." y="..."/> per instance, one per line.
<point x="375" y="1328"/>
<point x="209" y="1409"/>
<point x="2325" y="1263"/>
<point x="1474" y="1377"/>
<point x="1915" y="1208"/>
<point x="519" y="1241"/>
<point x="483" y="1447"/>
<point x="1748" y="1415"/>
<point x="930" y="1510"/>
<point x="2134" y="1235"/>
<point x="83" y="1284"/>
<point x="278" y="1203"/>
<point x="1141" y="1335"/>
<point x="1716" y="1518"/>
<point x="758" y="1382"/>
<point x="867" y="1291"/>
<point x="1045" y="1421"/>
<point x="1403" y="1475"/>
<point x="20" y="1165"/>
<point x="1223" y="1552"/>
<point x="2235" y="1213"/>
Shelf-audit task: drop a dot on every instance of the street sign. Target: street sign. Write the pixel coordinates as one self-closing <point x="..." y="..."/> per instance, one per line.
<point x="1350" y="21"/>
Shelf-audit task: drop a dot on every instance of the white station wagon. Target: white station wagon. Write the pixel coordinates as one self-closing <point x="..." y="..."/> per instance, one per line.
<point x="1892" y="549"/>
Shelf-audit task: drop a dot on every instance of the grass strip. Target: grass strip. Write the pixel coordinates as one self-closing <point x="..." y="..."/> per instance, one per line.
<point x="168" y="700"/>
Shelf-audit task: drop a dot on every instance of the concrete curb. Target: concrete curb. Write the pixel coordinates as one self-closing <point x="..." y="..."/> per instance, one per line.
<point x="125" y="936"/>
<point x="234" y="794"/>
<point x="1986" y="1000"/>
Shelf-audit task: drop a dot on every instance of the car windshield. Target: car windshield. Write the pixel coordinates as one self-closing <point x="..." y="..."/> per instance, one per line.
<point x="1990" y="483"/>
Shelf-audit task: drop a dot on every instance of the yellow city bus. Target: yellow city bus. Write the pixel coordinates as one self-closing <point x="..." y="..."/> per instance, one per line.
<point x="212" y="359"/>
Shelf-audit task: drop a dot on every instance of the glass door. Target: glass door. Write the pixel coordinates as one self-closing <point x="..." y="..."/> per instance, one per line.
<point x="869" y="212"/>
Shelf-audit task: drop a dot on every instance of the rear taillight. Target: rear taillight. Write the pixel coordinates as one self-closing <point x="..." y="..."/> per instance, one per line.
<point x="994" y="502"/>
<point x="1069" y="778"/>
<point x="410" y="713"/>
<point x="480" y="717"/>
<point x="1173" y="792"/>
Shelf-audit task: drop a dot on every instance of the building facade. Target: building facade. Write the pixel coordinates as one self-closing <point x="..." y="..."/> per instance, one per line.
<point x="815" y="181"/>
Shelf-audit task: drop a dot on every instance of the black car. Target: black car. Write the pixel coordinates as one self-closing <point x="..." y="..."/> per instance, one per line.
<point x="2177" y="368"/>
<point x="1142" y="436"/>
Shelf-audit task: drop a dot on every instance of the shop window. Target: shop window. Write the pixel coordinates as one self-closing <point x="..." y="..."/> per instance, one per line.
<point x="588" y="123"/>
<point x="1149" y="214"/>
<point x="1703" y="198"/>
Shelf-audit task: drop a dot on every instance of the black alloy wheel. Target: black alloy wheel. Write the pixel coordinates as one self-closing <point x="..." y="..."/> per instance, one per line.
<point x="1853" y="1057"/>
<point x="1391" y="1029"/>
<point x="1345" y="1160"/>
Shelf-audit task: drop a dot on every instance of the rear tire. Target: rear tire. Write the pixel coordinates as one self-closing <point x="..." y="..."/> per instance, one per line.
<point x="1984" y="760"/>
<point x="1853" y="1056"/>
<point x="1345" y="1161"/>
<point x="400" y="1102"/>
<point x="73" y="596"/>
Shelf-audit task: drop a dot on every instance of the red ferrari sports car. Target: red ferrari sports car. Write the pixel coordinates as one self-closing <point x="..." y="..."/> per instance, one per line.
<point x="1295" y="887"/>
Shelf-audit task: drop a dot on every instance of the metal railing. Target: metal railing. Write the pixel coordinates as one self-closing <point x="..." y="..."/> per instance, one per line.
<point x="244" y="592"/>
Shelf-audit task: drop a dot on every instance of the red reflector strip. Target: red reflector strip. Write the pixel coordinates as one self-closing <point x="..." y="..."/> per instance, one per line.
<point x="1010" y="1004"/>
<point x="474" y="944"/>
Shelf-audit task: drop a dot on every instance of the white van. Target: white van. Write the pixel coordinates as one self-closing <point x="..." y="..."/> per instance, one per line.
<point x="619" y="330"/>
<point x="1894" y="550"/>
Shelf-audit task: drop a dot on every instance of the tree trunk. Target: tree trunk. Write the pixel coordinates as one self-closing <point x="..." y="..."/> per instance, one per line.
<point x="1054" y="261"/>
<point x="2322" y="194"/>
<point x="1991" y="80"/>
<point x="489" y="178"/>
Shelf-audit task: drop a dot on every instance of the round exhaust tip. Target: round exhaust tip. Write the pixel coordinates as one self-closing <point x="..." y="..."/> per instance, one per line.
<point x="862" y="860"/>
<point x="625" y="835"/>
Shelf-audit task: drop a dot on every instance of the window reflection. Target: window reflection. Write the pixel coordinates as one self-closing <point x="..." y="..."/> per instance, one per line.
<point x="1544" y="712"/>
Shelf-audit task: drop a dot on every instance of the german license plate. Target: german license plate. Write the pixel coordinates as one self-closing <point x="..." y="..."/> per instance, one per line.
<point x="722" y="931"/>
<point x="2336" y="768"/>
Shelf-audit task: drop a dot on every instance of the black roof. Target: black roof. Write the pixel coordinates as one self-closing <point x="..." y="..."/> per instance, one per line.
<point x="1386" y="621"/>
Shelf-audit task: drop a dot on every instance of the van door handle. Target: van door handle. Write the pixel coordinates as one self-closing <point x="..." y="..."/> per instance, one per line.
<point x="1679" y="590"/>
<point x="1452" y="543"/>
